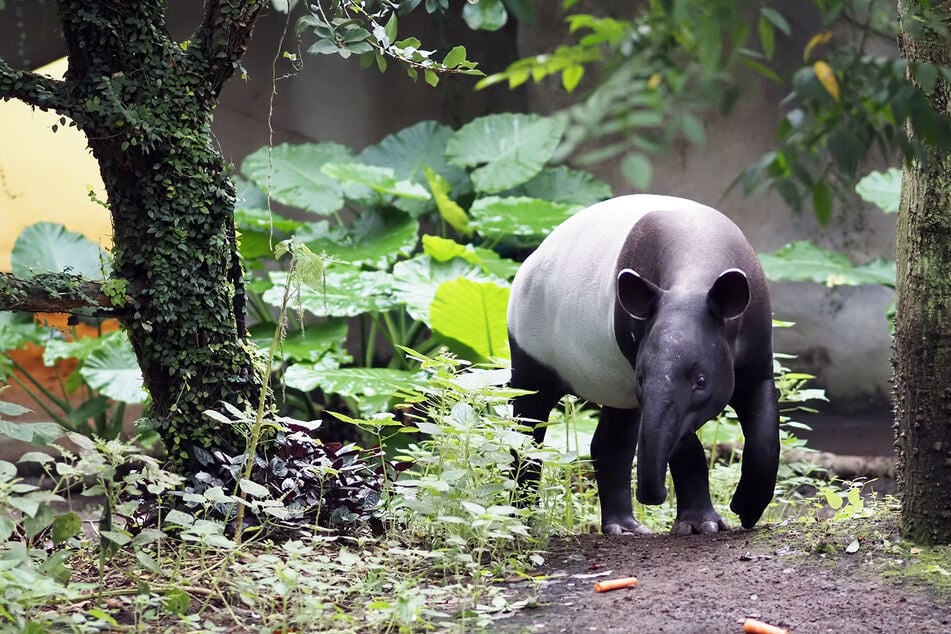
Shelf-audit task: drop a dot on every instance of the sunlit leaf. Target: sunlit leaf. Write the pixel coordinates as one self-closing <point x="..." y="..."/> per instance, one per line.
<point x="415" y="281"/>
<point x="826" y="76"/>
<point x="472" y="313"/>
<point x="530" y="218"/>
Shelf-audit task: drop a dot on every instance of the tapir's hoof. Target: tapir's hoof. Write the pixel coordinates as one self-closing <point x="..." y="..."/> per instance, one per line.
<point x="627" y="527"/>
<point x="707" y="524"/>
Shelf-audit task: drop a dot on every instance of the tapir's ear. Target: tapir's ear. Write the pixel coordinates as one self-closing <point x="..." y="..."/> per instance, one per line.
<point x="730" y="294"/>
<point x="636" y="295"/>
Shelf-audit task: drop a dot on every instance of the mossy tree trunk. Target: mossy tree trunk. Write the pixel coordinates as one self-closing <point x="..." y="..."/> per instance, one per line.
<point x="922" y="348"/>
<point x="145" y="104"/>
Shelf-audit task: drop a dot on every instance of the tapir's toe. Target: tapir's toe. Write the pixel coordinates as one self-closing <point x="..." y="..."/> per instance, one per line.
<point x="627" y="527"/>
<point x="699" y="524"/>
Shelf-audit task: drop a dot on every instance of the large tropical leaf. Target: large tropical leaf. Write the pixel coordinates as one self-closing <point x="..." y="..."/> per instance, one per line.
<point x="46" y="247"/>
<point x="259" y="230"/>
<point x="415" y="281"/>
<point x="373" y="239"/>
<point x="307" y="345"/>
<point x="444" y="249"/>
<point x="472" y="313"/>
<point x="528" y="218"/>
<point x="371" y="388"/>
<point x="292" y="174"/>
<point x="113" y="370"/>
<point x="34" y="433"/>
<point x="348" y="292"/>
<point x="803" y="261"/>
<point x="565" y="185"/>
<point x="412" y="149"/>
<point x="382" y="180"/>
<point x="510" y="148"/>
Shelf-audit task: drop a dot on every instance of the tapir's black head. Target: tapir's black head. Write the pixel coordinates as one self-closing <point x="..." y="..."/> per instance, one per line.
<point x="684" y="366"/>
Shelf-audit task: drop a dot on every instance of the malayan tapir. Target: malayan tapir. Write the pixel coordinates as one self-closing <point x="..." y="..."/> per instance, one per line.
<point x="657" y="309"/>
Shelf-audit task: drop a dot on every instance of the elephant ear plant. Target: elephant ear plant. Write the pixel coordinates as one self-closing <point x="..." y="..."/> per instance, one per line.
<point x="421" y="227"/>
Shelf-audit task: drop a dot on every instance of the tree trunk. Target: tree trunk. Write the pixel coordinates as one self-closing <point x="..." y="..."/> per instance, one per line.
<point x="922" y="348"/>
<point x="145" y="103"/>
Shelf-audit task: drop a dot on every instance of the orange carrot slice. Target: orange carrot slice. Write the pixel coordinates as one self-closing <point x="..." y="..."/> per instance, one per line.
<point x="752" y="626"/>
<point x="615" y="584"/>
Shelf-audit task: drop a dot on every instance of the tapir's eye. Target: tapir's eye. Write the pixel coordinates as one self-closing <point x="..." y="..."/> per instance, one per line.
<point x="700" y="382"/>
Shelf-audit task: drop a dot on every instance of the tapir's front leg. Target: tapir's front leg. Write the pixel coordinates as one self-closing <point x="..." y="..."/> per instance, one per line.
<point x="695" y="512"/>
<point x="612" y="450"/>
<point x="757" y="408"/>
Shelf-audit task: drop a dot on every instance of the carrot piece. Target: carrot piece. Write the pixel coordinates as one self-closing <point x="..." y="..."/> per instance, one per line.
<point x="752" y="626"/>
<point x="615" y="584"/>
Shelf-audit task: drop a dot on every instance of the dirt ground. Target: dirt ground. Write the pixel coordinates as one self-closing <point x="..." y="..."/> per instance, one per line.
<point x="713" y="583"/>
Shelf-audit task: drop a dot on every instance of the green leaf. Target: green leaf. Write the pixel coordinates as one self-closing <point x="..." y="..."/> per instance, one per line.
<point x="79" y="349"/>
<point x="415" y="281"/>
<point x="372" y="388"/>
<point x="882" y="189"/>
<point x="373" y="239"/>
<point x="472" y="313"/>
<point x="767" y="38"/>
<point x="803" y="261"/>
<point x="822" y="199"/>
<point x="529" y="218"/>
<point x="411" y="150"/>
<point x="349" y="292"/>
<point x="253" y="488"/>
<point x="693" y="129"/>
<point x="637" y="169"/>
<point x="38" y="434"/>
<point x="485" y="15"/>
<point x="511" y="148"/>
<point x="307" y="345"/>
<point x="292" y="174"/>
<point x="565" y="185"/>
<point x="571" y="77"/>
<point x="46" y="247"/>
<point x="114" y="371"/>
<point x="379" y="179"/>
<point x="66" y="526"/>
<point x="777" y="20"/>
<point x="454" y="215"/>
<point x="454" y="57"/>
<point x="443" y="250"/>
<point x="391" y="29"/>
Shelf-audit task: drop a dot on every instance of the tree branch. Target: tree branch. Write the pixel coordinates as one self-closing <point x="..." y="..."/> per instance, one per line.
<point x="60" y="293"/>
<point x="36" y="90"/>
<point x="223" y="36"/>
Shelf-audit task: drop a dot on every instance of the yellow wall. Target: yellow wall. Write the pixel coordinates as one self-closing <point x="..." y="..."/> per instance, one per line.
<point x="46" y="176"/>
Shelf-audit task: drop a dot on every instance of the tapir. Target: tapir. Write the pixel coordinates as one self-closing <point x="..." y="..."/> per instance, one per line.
<point x="657" y="309"/>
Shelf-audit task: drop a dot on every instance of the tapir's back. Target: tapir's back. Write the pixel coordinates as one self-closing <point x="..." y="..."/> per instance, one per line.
<point x="561" y="311"/>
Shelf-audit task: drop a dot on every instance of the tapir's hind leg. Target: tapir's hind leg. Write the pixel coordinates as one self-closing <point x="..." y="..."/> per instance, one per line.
<point x="612" y="450"/>
<point x="695" y="513"/>
<point x="528" y="374"/>
<point x="757" y="408"/>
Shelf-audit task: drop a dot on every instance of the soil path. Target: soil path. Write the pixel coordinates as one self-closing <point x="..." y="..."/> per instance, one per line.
<point x="712" y="584"/>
